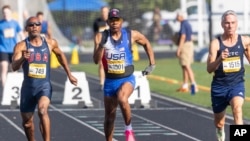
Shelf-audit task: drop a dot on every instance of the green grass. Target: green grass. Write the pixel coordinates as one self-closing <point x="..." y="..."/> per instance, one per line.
<point x="169" y="68"/>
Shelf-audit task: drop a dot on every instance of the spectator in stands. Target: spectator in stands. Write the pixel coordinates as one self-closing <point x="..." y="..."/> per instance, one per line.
<point x="46" y="30"/>
<point x="99" y="25"/>
<point x="9" y="31"/>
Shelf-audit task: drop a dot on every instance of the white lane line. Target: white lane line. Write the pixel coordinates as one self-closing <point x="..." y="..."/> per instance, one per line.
<point x="102" y="109"/>
<point x="12" y="123"/>
<point x="165" y="127"/>
<point x="79" y="121"/>
<point x="190" y="106"/>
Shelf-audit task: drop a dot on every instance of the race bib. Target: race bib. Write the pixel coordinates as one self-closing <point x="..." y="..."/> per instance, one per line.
<point x="37" y="70"/>
<point x="116" y="66"/>
<point x="231" y="64"/>
<point x="9" y="33"/>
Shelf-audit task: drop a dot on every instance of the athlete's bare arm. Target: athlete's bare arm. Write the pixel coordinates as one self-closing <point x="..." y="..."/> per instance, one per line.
<point x="246" y="42"/>
<point x="49" y="32"/>
<point x="20" y="54"/>
<point x="98" y="49"/>
<point x="140" y="39"/>
<point x="53" y="45"/>
<point x="212" y="62"/>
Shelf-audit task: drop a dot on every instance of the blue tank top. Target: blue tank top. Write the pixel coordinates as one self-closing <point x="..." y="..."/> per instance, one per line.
<point x="231" y="70"/>
<point x="118" y="58"/>
<point x="37" y="68"/>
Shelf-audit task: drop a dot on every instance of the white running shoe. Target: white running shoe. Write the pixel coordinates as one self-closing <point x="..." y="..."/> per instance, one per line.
<point x="220" y="133"/>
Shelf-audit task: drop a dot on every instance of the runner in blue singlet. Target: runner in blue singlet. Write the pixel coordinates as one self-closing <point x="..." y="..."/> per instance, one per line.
<point x="225" y="60"/>
<point x="33" y="55"/>
<point x="113" y="48"/>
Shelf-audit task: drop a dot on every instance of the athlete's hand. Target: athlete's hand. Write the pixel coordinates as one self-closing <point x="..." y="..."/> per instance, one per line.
<point x="224" y="54"/>
<point x="26" y="53"/>
<point x="73" y="80"/>
<point x="148" y="69"/>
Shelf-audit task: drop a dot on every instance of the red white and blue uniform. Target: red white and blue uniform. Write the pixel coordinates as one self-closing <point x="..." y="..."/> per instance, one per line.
<point x="36" y="81"/>
<point x="118" y="62"/>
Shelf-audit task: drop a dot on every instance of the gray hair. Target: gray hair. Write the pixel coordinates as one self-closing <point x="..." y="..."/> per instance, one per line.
<point x="228" y="12"/>
<point x="182" y="14"/>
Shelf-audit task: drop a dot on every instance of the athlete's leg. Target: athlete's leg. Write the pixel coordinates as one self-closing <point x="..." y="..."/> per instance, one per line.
<point x="236" y="105"/>
<point x="123" y="94"/>
<point x="28" y="125"/>
<point x="110" y="104"/>
<point x="219" y="121"/>
<point x="43" y="105"/>
<point x="101" y="74"/>
<point x="3" y="71"/>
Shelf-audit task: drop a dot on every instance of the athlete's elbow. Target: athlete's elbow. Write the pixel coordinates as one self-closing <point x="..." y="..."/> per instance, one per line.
<point x="14" y="68"/>
<point x="95" y="60"/>
<point x="209" y="70"/>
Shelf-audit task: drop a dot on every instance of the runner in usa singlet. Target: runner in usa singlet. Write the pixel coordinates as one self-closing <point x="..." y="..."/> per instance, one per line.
<point x="118" y="59"/>
<point x="36" y="76"/>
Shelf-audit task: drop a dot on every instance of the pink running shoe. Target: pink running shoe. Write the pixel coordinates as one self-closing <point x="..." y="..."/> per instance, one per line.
<point x="129" y="135"/>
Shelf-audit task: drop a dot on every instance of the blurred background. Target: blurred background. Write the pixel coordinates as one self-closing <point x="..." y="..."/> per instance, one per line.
<point x="72" y="20"/>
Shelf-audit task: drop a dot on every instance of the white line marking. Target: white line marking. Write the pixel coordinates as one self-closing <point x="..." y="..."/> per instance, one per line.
<point x="79" y="121"/>
<point x="188" y="105"/>
<point x="179" y="132"/>
<point x="12" y="123"/>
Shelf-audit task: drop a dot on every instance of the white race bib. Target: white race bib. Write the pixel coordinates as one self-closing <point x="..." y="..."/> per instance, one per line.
<point x="9" y="33"/>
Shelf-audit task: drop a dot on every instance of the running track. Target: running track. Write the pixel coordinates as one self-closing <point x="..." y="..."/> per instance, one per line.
<point x="171" y="120"/>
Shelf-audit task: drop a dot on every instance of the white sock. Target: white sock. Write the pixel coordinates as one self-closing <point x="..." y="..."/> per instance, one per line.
<point x="185" y="85"/>
<point x="128" y="127"/>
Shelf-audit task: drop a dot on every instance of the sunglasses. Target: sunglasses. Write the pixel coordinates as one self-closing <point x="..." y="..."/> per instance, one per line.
<point x="33" y="24"/>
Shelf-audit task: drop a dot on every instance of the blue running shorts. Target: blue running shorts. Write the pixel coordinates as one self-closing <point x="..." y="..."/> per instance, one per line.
<point x="31" y="95"/>
<point x="111" y="86"/>
<point x="221" y="95"/>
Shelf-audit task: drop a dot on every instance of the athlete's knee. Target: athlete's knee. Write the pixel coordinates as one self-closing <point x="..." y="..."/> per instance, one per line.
<point x="42" y="111"/>
<point x="123" y="101"/>
<point x="27" y="123"/>
<point x="219" y="123"/>
<point x="237" y="109"/>
<point x="219" y="120"/>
